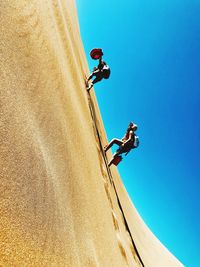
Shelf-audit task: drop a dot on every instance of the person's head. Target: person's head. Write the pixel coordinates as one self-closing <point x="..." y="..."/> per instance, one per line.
<point x="132" y="126"/>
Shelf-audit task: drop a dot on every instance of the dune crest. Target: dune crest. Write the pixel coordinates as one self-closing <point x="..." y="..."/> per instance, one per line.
<point x="60" y="205"/>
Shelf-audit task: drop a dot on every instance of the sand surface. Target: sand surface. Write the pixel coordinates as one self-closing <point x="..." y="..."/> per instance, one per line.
<point x="60" y="205"/>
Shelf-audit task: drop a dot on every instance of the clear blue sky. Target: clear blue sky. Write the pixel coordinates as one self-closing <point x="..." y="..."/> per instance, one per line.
<point x="153" y="49"/>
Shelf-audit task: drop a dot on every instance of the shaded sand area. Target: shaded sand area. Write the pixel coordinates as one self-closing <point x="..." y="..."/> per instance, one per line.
<point x="60" y="205"/>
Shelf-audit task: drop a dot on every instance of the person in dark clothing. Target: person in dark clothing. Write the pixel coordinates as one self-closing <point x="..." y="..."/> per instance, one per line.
<point x="102" y="71"/>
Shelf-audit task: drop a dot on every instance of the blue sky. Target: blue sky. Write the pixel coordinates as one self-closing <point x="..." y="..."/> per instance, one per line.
<point x="152" y="48"/>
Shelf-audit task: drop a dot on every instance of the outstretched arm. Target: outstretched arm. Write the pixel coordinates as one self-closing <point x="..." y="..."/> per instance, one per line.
<point x="101" y="63"/>
<point x="112" y="142"/>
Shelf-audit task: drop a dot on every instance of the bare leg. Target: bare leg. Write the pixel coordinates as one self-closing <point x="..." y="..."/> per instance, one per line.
<point x="112" y="142"/>
<point x="97" y="79"/>
<point x="90" y="77"/>
<point x="110" y="162"/>
<point x="96" y="71"/>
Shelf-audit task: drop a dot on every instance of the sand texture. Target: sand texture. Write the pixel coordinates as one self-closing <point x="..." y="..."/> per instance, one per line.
<point x="59" y="203"/>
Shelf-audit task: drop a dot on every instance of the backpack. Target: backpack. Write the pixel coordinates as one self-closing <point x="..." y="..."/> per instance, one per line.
<point x="106" y="71"/>
<point x="137" y="141"/>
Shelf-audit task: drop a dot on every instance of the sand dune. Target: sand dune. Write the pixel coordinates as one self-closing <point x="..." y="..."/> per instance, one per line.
<point x="60" y="205"/>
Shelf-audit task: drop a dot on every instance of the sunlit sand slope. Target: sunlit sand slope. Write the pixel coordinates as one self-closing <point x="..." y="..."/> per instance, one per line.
<point x="60" y="205"/>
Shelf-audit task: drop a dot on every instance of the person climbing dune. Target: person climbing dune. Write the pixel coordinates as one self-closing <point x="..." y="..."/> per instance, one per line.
<point x="102" y="71"/>
<point x="128" y="142"/>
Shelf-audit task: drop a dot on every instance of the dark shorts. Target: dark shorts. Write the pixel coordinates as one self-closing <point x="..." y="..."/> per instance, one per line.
<point x="126" y="148"/>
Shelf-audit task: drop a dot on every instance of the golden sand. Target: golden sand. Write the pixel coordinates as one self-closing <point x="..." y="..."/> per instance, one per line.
<point x="60" y="205"/>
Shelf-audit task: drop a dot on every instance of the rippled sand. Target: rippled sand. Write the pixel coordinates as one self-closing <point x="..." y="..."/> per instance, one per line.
<point x="59" y="203"/>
